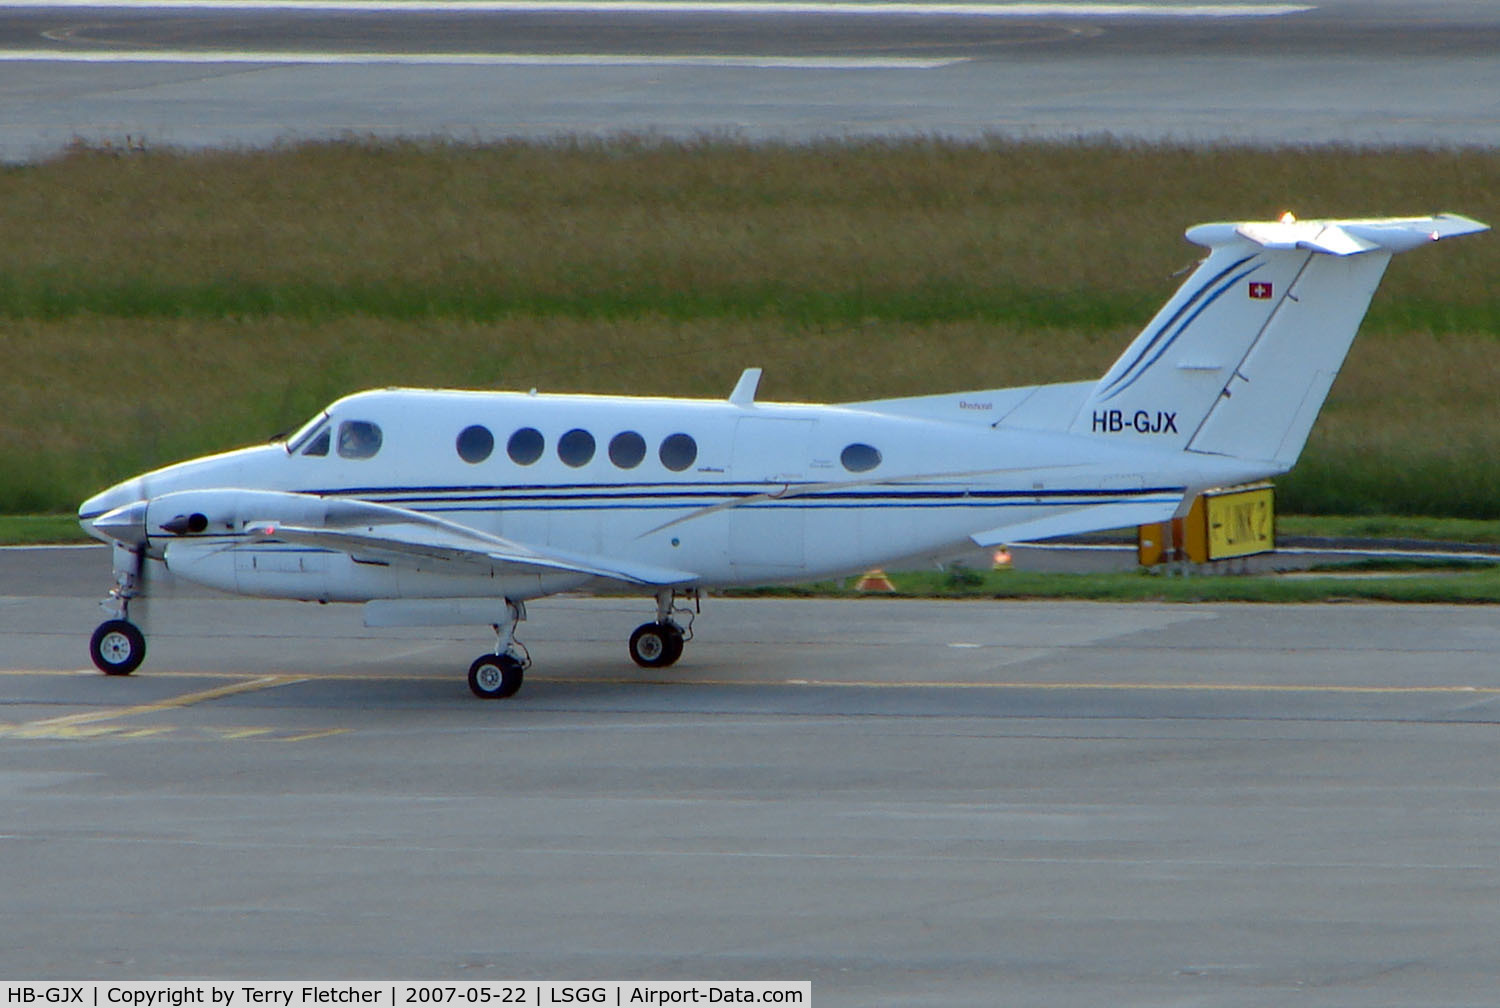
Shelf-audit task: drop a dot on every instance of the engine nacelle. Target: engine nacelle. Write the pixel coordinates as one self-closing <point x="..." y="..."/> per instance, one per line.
<point x="228" y="511"/>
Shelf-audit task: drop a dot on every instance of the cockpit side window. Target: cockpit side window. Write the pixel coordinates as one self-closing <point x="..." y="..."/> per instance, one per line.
<point x="319" y="444"/>
<point x="359" y="439"/>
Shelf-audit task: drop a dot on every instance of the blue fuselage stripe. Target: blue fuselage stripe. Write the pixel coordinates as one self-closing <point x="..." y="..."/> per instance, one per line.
<point x="665" y="497"/>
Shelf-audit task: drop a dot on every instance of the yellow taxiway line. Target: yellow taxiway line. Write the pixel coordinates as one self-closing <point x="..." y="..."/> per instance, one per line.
<point x="171" y="703"/>
<point x="74" y="725"/>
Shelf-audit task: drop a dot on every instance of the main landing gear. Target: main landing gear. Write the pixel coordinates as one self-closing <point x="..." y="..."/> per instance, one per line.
<point x="497" y="676"/>
<point x="118" y="647"/>
<point x="659" y="644"/>
<point x="653" y="645"/>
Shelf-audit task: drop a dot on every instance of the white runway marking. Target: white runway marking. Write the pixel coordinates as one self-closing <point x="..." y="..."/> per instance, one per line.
<point x="474" y="59"/>
<point x="57" y="546"/>
<point x="837" y="7"/>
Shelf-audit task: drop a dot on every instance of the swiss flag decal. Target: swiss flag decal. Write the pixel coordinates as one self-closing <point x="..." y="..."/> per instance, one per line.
<point x="1260" y="291"/>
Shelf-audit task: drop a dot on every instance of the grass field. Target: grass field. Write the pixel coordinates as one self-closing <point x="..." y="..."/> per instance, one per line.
<point x="158" y="305"/>
<point x="1479" y="585"/>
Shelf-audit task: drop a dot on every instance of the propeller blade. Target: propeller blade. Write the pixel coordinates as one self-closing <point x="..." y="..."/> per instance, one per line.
<point x="139" y="610"/>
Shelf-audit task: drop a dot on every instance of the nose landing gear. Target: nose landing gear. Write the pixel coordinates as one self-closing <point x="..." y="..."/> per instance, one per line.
<point x="118" y="646"/>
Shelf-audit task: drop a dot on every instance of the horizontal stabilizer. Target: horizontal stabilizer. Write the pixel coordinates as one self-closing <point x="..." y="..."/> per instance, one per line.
<point x="1090" y="518"/>
<point x="1338" y="237"/>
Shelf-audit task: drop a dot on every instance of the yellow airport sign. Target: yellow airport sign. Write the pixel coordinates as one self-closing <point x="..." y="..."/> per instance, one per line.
<point x="1240" y="522"/>
<point x="1221" y="525"/>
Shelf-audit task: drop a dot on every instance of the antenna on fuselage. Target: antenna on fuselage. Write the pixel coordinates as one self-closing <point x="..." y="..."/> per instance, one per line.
<point x="744" y="389"/>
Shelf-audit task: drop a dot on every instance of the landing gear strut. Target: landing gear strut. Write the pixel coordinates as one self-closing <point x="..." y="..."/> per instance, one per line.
<point x="659" y="644"/>
<point x="497" y="676"/>
<point x="118" y="647"/>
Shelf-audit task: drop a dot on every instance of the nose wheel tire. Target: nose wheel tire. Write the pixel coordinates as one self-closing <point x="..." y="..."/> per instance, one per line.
<point x="118" y="647"/>
<point x="495" y="677"/>
<point x="656" y="645"/>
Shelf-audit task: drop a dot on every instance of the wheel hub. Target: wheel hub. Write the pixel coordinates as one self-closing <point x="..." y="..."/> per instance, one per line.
<point x="116" y="647"/>
<point x="489" y="676"/>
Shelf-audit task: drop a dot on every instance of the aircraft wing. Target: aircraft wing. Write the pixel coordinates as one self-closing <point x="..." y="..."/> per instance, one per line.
<point x="436" y="545"/>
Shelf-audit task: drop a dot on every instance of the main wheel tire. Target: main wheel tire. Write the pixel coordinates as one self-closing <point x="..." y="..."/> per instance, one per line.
<point x="118" y="647"/>
<point x="495" y="677"/>
<point x="675" y="644"/>
<point x="656" y="645"/>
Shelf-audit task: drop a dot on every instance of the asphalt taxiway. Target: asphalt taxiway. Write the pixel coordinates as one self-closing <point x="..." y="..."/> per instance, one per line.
<point x="904" y="802"/>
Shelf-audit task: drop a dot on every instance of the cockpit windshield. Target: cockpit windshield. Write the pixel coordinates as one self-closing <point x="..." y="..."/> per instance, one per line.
<point x="306" y="433"/>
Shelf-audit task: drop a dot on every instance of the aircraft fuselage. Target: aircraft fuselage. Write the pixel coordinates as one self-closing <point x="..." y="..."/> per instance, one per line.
<point x="435" y="506"/>
<point x="735" y="494"/>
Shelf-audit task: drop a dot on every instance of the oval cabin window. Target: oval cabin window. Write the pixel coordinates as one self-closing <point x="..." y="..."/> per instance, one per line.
<point x="475" y="444"/>
<point x="525" y="446"/>
<point x="627" y="449"/>
<point x="860" y="458"/>
<point x="576" y="447"/>
<point x="678" y="452"/>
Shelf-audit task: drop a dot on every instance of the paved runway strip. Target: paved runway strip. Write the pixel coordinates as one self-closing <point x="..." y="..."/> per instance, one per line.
<point x="192" y="75"/>
<point x="904" y="802"/>
<point x="270" y="57"/>
<point x="847" y="8"/>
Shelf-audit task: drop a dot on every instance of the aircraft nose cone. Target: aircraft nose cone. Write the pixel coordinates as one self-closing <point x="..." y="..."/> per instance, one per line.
<point x="108" y="516"/>
<point x="125" y="525"/>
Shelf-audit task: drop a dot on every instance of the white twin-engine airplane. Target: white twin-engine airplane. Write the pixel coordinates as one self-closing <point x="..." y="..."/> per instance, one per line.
<point x="449" y="507"/>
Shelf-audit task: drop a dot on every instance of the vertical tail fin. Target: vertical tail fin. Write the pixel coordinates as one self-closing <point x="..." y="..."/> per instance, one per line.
<point x="1239" y="361"/>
